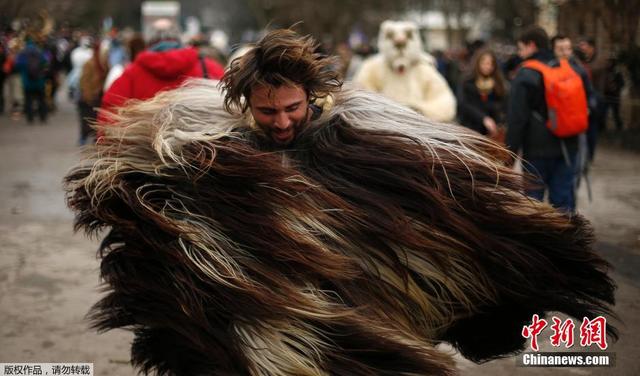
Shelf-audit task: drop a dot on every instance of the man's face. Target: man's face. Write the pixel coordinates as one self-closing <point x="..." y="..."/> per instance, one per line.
<point x="280" y="111"/>
<point x="526" y="50"/>
<point x="586" y="49"/>
<point x="562" y="48"/>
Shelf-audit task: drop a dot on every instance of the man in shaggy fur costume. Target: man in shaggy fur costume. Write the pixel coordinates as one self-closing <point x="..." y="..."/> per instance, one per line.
<point x="403" y="72"/>
<point x="267" y="233"/>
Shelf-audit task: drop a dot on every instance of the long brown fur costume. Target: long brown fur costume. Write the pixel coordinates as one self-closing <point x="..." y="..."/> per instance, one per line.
<point x="376" y="235"/>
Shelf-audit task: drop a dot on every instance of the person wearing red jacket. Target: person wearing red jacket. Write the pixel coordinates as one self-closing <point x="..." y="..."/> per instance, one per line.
<point x="164" y="66"/>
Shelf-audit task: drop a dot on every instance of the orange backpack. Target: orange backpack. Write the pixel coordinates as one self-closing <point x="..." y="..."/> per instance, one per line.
<point x="565" y="96"/>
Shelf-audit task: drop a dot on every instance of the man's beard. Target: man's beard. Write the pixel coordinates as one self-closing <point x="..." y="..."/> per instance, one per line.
<point x="273" y="143"/>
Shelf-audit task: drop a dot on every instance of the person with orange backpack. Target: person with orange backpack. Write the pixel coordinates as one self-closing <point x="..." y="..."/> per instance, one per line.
<point x="547" y="120"/>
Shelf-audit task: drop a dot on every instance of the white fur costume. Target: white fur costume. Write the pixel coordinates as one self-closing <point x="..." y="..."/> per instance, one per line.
<point x="406" y="74"/>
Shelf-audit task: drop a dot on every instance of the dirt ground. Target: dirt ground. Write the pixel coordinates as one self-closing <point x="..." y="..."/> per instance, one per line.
<point x="49" y="275"/>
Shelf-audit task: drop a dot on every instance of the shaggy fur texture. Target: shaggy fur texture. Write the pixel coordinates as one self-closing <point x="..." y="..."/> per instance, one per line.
<point x="375" y="236"/>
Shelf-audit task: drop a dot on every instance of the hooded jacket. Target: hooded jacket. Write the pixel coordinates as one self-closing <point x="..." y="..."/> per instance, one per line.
<point x="152" y="72"/>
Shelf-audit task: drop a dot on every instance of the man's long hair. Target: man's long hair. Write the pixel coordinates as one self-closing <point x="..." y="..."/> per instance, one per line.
<point x="282" y="57"/>
<point x="375" y="236"/>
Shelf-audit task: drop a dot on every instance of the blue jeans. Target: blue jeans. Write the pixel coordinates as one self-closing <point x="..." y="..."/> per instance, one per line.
<point x="556" y="176"/>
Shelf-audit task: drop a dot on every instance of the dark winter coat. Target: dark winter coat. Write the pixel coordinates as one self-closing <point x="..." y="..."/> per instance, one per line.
<point x="473" y="107"/>
<point x="527" y="113"/>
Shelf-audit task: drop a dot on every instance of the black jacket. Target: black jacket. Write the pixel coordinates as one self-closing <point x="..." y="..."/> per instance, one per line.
<point x="527" y="114"/>
<point x="472" y="109"/>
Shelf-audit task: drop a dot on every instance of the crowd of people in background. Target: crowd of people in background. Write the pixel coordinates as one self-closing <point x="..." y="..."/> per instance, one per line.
<point x="34" y="66"/>
<point x="493" y="94"/>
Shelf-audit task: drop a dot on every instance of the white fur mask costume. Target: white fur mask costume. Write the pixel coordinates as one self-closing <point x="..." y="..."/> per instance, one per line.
<point x="403" y="72"/>
<point x="399" y="42"/>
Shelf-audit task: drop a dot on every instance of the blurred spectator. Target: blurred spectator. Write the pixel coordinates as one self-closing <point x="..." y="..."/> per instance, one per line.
<point x="4" y="52"/>
<point x="511" y="65"/>
<point x="218" y="47"/>
<point x="92" y="80"/>
<point x="135" y="45"/>
<point x="448" y="66"/>
<point x="79" y="56"/>
<point x="441" y="62"/>
<point x="52" y="83"/>
<point x="163" y="66"/>
<point x="32" y="64"/>
<point x="344" y="54"/>
<point x="474" y="47"/>
<point x="613" y="86"/>
<point x="206" y="49"/>
<point x="561" y="46"/>
<point x="63" y="52"/>
<point x="67" y="45"/>
<point x="481" y="96"/>
<point x="13" y="81"/>
<point x="359" y="54"/>
<point x="117" y="52"/>
<point x="463" y="57"/>
<point x="563" y="49"/>
<point x="596" y="66"/>
<point x="551" y="159"/>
